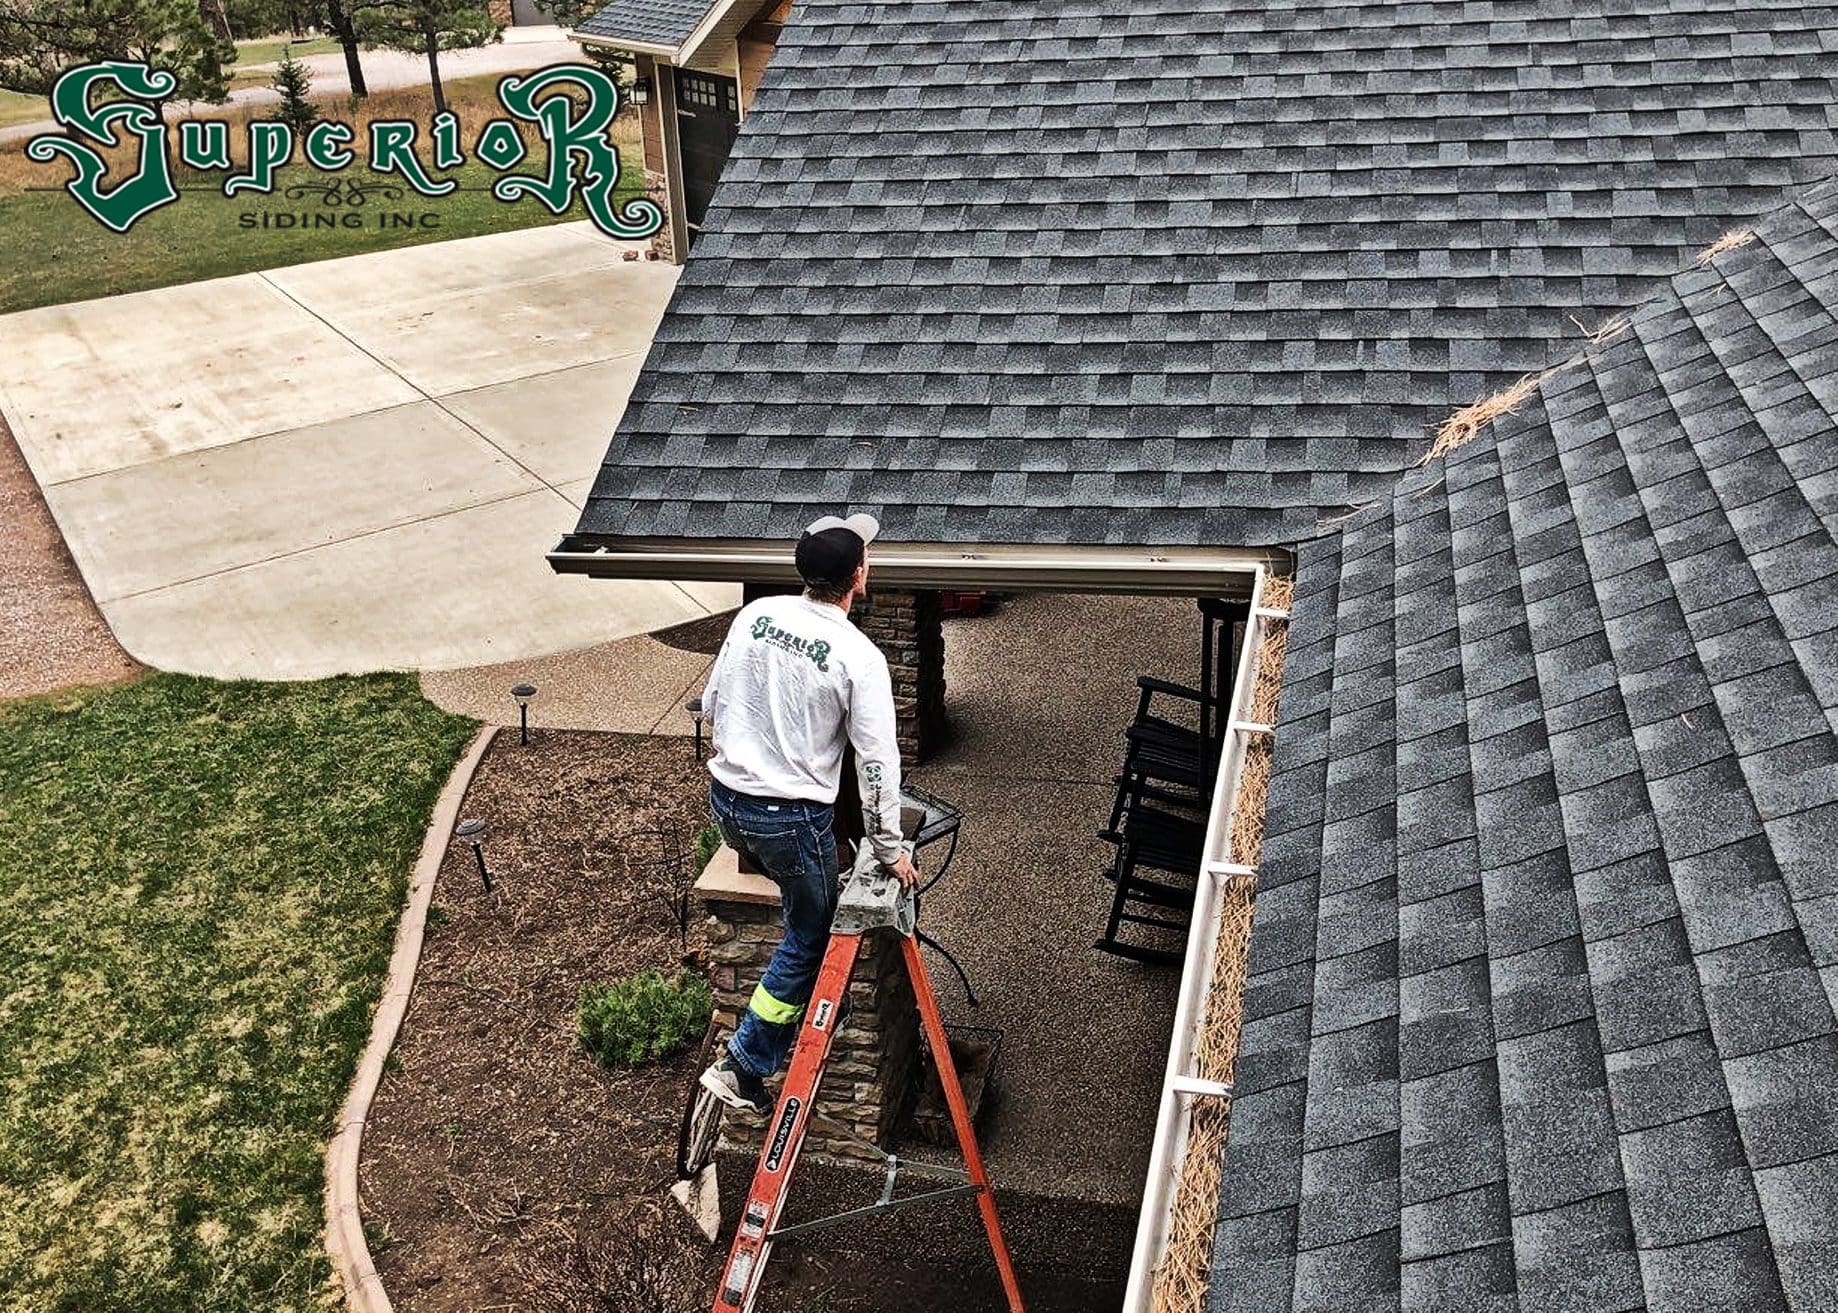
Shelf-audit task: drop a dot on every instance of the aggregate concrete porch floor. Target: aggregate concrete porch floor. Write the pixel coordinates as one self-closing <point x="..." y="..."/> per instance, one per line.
<point x="347" y="465"/>
<point x="1038" y="696"/>
<point x="633" y="685"/>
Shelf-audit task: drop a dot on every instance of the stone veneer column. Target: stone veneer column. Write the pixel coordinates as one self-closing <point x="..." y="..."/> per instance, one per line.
<point x="908" y="627"/>
<point x="657" y="187"/>
<point x="873" y="1062"/>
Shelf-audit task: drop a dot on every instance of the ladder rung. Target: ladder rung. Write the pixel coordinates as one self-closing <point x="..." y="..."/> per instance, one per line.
<point x="1252" y="727"/>
<point x="1271" y="613"/>
<point x="1229" y="868"/>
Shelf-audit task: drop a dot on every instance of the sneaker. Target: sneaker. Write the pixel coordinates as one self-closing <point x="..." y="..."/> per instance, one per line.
<point x="736" y="1086"/>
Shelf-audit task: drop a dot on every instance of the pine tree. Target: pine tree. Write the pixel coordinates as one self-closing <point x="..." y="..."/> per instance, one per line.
<point x="40" y="39"/>
<point x="341" y="22"/>
<point x="427" y="27"/>
<point x="293" y="82"/>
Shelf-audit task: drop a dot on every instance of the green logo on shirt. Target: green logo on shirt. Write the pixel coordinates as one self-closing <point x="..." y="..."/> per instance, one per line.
<point x="814" y="648"/>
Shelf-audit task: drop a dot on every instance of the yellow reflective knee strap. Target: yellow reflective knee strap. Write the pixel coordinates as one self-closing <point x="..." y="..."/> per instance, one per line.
<point x="775" y="1010"/>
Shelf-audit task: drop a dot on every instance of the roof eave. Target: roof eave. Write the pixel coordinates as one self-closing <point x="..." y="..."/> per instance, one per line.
<point x="683" y="52"/>
<point x="616" y="43"/>
<point x="1181" y="571"/>
<point x="711" y="23"/>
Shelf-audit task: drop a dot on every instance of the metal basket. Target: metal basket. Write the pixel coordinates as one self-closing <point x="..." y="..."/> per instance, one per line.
<point x="976" y="1051"/>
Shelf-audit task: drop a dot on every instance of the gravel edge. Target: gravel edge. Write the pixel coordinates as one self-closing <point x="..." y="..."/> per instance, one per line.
<point x="344" y="1227"/>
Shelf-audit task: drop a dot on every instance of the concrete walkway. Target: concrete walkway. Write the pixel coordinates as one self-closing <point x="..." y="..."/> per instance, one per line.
<point x="349" y="465"/>
<point x="1035" y="741"/>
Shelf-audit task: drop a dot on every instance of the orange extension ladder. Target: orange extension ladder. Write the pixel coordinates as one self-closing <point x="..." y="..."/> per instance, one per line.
<point x="870" y="900"/>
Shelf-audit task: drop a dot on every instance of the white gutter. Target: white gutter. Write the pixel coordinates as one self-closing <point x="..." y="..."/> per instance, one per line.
<point x="1182" y="1084"/>
<point x="1186" y="571"/>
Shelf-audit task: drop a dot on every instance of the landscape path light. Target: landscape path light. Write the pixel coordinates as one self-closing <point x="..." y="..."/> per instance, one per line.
<point x="694" y="708"/>
<point x="472" y="831"/>
<point x="523" y="693"/>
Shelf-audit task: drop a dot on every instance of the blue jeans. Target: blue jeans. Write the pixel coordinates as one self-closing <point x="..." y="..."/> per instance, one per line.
<point x="795" y="844"/>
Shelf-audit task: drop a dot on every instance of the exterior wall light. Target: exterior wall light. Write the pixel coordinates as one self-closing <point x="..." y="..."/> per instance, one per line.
<point x="640" y="91"/>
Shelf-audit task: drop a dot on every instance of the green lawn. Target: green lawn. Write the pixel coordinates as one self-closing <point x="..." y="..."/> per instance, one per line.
<point x="17" y="107"/>
<point x="199" y="884"/>
<point x="269" y="49"/>
<point x="74" y="258"/>
<point x="252" y="56"/>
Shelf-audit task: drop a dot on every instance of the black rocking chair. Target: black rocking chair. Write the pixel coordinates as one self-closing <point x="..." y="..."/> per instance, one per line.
<point x="1158" y="845"/>
<point x="1158" y="821"/>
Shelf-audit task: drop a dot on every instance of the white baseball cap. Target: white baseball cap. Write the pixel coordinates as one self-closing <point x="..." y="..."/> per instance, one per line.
<point x="824" y="558"/>
<point x="862" y="525"/>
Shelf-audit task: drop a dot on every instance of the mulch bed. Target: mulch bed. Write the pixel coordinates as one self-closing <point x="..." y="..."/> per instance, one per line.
<point x="503" y="1169"/>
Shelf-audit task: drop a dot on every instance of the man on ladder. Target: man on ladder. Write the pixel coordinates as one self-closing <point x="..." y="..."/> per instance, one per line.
<point x="795" y="684"/>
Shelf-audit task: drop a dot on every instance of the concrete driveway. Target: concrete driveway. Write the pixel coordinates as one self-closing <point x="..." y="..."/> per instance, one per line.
<point x="349" y="465"/>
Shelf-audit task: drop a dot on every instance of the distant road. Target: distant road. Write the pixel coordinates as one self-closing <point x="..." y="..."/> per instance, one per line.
<point x="386" y="70"/>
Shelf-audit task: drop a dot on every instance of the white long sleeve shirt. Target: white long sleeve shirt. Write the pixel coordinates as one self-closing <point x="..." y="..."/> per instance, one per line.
<point x="796" y="682"/>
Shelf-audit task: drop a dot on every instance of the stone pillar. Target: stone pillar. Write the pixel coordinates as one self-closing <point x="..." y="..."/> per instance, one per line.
<point x="874" y="1060"/>
<point x="657" y="188"/>
<point x="908" y="628"/>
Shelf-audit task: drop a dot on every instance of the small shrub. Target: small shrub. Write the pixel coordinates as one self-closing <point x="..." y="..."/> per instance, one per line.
<point x="379" y="1237"/>
<point x="708" y="839"/>
<point x="644" y="1018"/>
<point x="293" y="81"/>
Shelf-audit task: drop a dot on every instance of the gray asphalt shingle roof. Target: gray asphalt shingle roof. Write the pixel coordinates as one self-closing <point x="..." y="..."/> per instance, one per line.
<point x="1545" y="962"/>
<point x="654" y="22"/>
<point x="1180" y="271"/>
